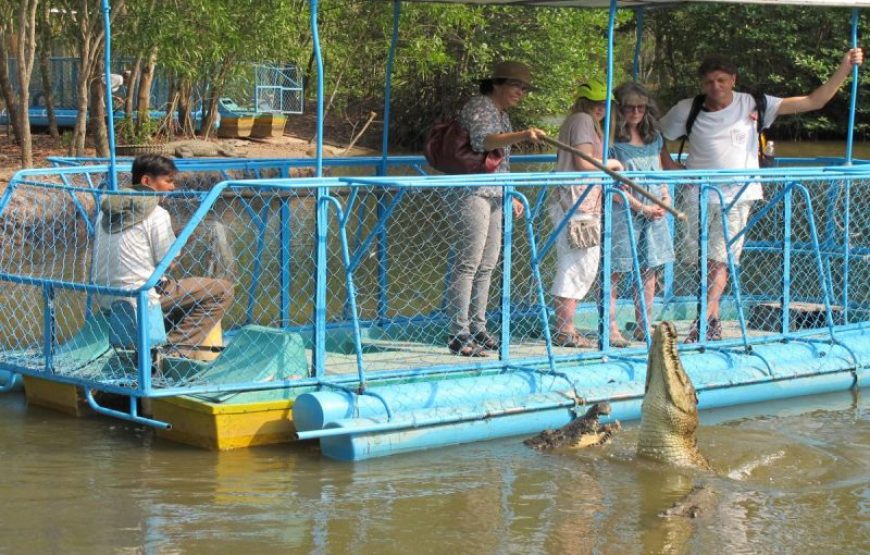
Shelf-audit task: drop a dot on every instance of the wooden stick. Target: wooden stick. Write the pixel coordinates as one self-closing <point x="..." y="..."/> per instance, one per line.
<point x="635" y="188"/>
<point x="358" y="135"/>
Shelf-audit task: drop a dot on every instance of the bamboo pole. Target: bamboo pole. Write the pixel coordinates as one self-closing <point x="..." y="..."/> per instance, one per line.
<point x="635" y="188"/>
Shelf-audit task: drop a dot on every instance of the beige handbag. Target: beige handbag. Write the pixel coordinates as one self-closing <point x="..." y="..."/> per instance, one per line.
<point x="583" y="234"/>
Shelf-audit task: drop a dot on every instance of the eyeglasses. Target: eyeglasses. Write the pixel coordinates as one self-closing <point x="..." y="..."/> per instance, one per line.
<point x="518" y="84"/>
<point x="639" y="108"/>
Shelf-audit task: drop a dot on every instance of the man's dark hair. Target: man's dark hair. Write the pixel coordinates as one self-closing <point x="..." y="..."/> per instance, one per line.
<point x="487" y="86"/>
<point x="155" y="165"/>
<point x="716" y="63"/>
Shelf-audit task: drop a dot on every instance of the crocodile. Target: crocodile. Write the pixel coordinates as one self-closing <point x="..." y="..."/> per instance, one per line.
<point x="584" y="431"/>
<point x="669" y="414"/>
<point x="199" y="149"/>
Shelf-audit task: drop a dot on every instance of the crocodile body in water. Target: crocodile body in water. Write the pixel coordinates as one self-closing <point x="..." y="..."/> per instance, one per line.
<point x="584" y="431"/>
<point x="669" y="415"/>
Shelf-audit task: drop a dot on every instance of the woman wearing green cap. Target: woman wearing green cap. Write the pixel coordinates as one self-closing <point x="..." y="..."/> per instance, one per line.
<point x="577" y="268"/>
<point x="476" y="212"/>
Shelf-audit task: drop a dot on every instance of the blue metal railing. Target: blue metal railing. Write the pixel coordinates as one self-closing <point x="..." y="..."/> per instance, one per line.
<point x="348" y="202"/>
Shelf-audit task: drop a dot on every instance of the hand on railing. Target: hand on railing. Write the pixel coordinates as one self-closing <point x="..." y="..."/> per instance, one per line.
<point x="518" y="208"/>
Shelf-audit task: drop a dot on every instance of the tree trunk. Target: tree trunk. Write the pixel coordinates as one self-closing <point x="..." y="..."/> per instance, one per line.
<point x="9" y="97"/>
<point x="80" y="129"/>
<point x="185" y="119"/>
<point x="145" y="87"/>
<point x="214" y="93"/>
<point x="97" y="115"/>
<point x="45" y="70"/>
<point x="25" y="55"/>
<point x="131" y="89"/>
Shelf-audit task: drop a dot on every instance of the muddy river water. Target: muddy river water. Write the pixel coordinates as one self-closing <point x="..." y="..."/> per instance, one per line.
<point x="791" y="477"/>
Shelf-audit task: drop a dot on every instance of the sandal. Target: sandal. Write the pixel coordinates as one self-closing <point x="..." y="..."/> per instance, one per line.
<point x="616" y="340"/>
<point x="714" y="331"/>
<point x="638" y="334"/>
<point x="465" y="346"/>
<point x="572" y="340"/>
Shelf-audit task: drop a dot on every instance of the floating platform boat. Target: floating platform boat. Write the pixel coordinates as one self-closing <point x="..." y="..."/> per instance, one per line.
<point x="339" y="311"/>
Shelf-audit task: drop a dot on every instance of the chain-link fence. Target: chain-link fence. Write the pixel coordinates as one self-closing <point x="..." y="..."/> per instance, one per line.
<point x="354" y="279"/>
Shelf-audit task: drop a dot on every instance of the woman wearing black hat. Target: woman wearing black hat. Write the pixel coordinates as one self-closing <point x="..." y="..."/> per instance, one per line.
<point x="477" y="212"/>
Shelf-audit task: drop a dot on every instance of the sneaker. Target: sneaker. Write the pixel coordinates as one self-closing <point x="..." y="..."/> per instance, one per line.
<point x="464" y="345"/>
<point x="486" y="341"/>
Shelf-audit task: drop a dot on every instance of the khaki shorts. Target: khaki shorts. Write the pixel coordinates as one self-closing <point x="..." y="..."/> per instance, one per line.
<point x="736" y="219"/>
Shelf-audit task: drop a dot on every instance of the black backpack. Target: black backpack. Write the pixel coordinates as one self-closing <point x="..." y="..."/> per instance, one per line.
<point x="764" y="160"/>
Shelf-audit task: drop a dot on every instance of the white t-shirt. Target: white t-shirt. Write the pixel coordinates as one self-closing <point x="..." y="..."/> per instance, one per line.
<point x="724" y="139"/>
<point x="127" y="259"/>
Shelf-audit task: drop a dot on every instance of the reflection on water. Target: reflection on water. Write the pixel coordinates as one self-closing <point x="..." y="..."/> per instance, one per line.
<point x="792" y="478"/>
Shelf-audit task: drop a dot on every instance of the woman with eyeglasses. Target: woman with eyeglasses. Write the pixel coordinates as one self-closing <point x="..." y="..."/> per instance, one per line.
<point x="476" y="212"/>
<point x="577" y="266"/>
<point x="638" y="144"/>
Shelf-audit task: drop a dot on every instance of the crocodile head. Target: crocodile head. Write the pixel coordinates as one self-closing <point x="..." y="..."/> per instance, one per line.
<point x="669" y="416"/>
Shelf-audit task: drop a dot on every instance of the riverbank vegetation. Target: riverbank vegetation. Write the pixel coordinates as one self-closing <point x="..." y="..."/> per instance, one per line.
<point x="201" y="46"/>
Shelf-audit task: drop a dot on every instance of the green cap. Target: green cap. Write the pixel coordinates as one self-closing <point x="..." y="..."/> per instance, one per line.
<point x="596" y="91"/>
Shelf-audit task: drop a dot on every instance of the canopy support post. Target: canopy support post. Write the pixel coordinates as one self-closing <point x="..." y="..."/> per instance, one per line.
<point x="853" y="100"/>
<point x="107" y="82"/>
<point x="388" y="87"/>
<point x="639" y="16"/>
<point x="611" y="22"/>
<point x="318" y="356"/>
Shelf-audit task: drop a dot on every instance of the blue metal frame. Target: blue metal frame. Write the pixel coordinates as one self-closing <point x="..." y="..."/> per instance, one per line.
<point x="822" y="252"/>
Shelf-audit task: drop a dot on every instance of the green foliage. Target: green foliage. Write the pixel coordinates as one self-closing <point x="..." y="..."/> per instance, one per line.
<point x="445" y="49"/>
<point x="780" y="50"/>
<point x="128" y="133"/>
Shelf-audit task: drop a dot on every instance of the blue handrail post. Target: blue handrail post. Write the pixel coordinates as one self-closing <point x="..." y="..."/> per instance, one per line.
<point x="611" y="23"/>
<point x="853" y="99"/>
<point x="507" y="249"/>
<point x="639" y="16"/>
<point x="286" y="238"/>
<point x="703" y="236"/>
<point x="49" y="333"/>
<point x="322" y="223"/>
<point x="847" y="221"/>
<point x="606" y="243"/>
<point x="110" y="116"/>
<point x="786" y="260"/>
<point x="143" y="340"/>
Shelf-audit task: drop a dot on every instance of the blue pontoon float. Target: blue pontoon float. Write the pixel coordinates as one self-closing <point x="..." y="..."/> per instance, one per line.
<point x="339" y="291"/>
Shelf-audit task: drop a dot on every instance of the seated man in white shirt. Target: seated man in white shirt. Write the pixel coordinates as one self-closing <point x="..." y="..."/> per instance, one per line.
<point x="134" y="234"/>
<point x="725" y="136"/>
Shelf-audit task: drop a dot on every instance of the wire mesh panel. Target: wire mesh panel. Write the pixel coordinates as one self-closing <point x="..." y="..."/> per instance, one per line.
<point x="346" y="278"/>
<point x="278" y="89"/>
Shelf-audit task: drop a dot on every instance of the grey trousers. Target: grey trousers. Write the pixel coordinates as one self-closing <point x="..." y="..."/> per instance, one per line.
<point x="477" y="242"/>
<point x="192" y="306"/>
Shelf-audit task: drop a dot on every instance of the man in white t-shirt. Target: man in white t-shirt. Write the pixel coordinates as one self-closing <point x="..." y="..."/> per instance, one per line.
<point x="134" y="234"/>
<point x="725" y="136"/>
